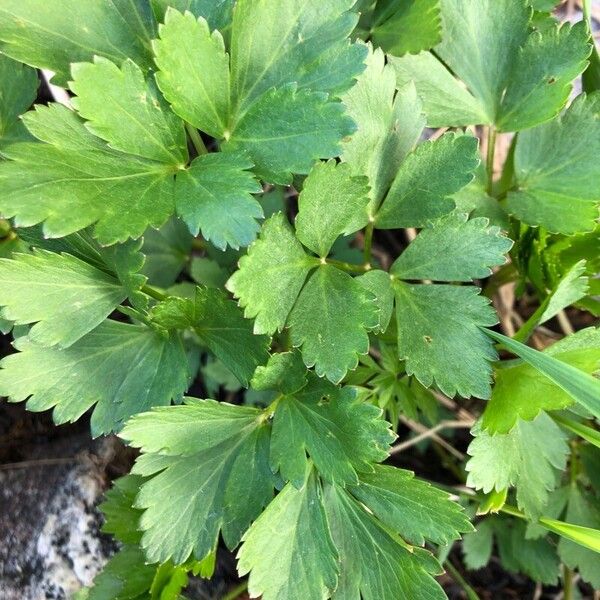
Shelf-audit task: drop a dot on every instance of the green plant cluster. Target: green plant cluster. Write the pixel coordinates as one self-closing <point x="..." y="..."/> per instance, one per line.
<point x="152" y="239"/>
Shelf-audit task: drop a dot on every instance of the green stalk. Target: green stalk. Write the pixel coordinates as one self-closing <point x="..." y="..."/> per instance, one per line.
<point x="567" y="583"/>
<point x="368" y="242"/>
<point x="236" y="591"/>
<point x="196" y="139"/>
<point x="491" y="150"/>
<point x="469" y="591"/>
<point x="349" y="267"/>
<point x="154" y="292"/>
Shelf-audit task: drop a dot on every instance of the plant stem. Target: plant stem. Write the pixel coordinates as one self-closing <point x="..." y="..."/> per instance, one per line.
<point x="491" y="150"/>
<point x="469" y="591"/>
<point x="349" y="267"/>
<point x="368" y="242"/>
<point x="236" y="591"/>
<point x="196" y="139"/>
<point x="567" y="583"/>
<point x="154" y="292"/>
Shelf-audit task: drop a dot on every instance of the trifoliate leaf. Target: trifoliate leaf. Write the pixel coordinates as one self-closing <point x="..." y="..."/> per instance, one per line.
<point x="412" y="508"/>
<point x="19" y="90"/>
<point x="411" y="26"/>
<point x="340" y="433"/>
<point x="214" y="196"/>
<point x="380" y="285"/>
<point x="439" y="335"/>
<point x="453" y="249"/>
<point x="426" y="178"/>
<point x="521" y="391"/>
<point x="216" y="12"/>
<point x="375" y="563"/>
<point x="64" y="296"/>
<point x="220" y="325"/>
<point x="332" y="203"/>
<point x="193" y="71"/>
<point x="271" y="275"/>
<point x="286" y="129"/>
<point x="389" y="124"/>
<point x="557" y="174"/>
<point x="530" y="457"/>
<point x="74" y="180"/>
<point x="285" y="372"/>
<point x="121" y="518"/>
<point x="330" y="321"/>
<point x="299" y="562"/>
<point x="582" y="509"/>
<point x="211" y="473"/>
<point x="36" y="33"/>
<point x="122" y="369"/>
<point x="515" y="77"/>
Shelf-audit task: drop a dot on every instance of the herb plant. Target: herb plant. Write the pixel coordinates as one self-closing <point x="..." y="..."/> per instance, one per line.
<point x="209" y="211"/>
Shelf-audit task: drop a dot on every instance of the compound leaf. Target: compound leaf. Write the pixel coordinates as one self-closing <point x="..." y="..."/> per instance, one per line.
<point x="341" y="434"/>
<point x="332" y="203"/>
<point x="453" y="249"/>
<point x="330" y="321"/>
<point x="440" y="336"/>
<point x="301" y="561"/>
<point x="64" y="296"/>
<point x="121" y="369"/>
<point x="215" y="196"/>
<point x="529" y="458"/>
<point x="427" y="178"/>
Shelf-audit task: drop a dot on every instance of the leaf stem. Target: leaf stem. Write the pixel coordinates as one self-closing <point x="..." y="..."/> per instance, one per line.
<point x="196" y="139"/>
<point x="455" y="573"/>
<point x="154" y="292"/>
<point x="368" y="242"/>
<point x="236" y="591"/>
<point x="567" y="583"/>
<point x="349" y="267"/>
<point x="491" y="150"/>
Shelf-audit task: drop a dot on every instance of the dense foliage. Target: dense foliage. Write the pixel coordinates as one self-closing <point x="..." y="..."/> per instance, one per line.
<point x="153" y="241"/>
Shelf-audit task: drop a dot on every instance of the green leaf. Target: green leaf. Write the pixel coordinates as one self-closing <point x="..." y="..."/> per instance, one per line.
<point x="271" y="275"/>
<point x="330" y="321"/>
<point x="341" y="434"/>
<point x="453" y="249"/>
<point x="286" y="129"/>
<point x="557" y="175"/>
<point x="299" y="562"/>
<point x="193" y="71"/>
<point x="389" y="124"/>
<point x="375" y="563"/>
<point x="64" y="296"/>
<point x="36" y="33"/>
<point x="379" y="284"/>
<point x="427" y="177"/>
<point x="220" y="325"/>
<point x="477" y="546"/>
<point x="211" y="473"/>
<point x="578" y="384"/>
<point x="522" y="390"/>
<point x="529" y="457"/>
<point x="285" y="372"/>
<point x="571" y="288"/>
<point x="19" y="90"/>
<point x="121" y="518"/>
<point x="121" y="369"/>
<point x="411" y="507"/>
<point x="332" y="203"/>
<point x="407" y="27"/>
<point x="441" y="338"/>
<point x="214" y="196"/>
<point x="74" y="180"/>
<point x="216" y="12"/>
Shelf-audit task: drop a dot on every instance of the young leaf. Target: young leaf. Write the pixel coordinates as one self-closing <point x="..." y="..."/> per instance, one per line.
<point x="426" y="178"/>
<point x="389" y="124"/>
<point x="285" y="372"/>
<point x="339" y="433"/>
<point x="572" y="287"/>
<point x="453" y="249"/>
<point x="375" y="563"/>
<point x="529" y="458"/>
<point x="210" y="473"/>
<point x="301" y="561"/>
<point x="557" y="175"/>
<point x="440" y="335"/>
<point x="64" y="296"/>
<point x="332" y="203"/>
<point x="214" y="196"/>
<point x="115" y="367"/>
<point x="220" y="325"/>
<point x="330" y="321"/>
<point x="193" y="71"/>
<point x="74" y="180"/>
<point x="271" y="275"/>
<point x="54" y="39"/>
<point x="522" y="391"/>
<point x="413" y="508"/>
<point x="581" y="386"/>
<point x="19" y="90"/>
